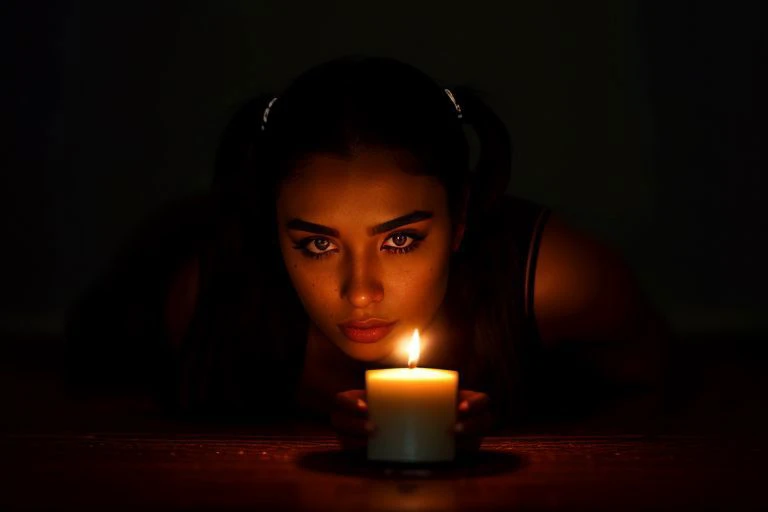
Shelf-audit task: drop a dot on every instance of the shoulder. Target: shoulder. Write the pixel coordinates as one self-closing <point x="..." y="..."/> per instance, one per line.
<point x="583" y="290"/>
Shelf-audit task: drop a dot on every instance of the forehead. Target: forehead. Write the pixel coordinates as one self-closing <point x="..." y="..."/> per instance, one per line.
<point x="371" y="186"/>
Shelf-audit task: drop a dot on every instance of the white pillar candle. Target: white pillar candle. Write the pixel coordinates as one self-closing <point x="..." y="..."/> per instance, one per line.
<point x="414" y="411"/>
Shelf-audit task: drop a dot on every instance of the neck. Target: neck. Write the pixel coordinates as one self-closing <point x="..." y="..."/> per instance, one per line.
<point x="324" y="353"/>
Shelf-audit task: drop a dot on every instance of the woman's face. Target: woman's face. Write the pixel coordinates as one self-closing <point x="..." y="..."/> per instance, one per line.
<point x="367" y="248"/>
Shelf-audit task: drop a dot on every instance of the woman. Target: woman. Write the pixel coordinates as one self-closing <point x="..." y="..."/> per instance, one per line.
<point x="349" y="216"/>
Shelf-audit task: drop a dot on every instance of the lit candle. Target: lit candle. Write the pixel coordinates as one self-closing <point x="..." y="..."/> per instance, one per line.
<point x="414" y="410"/>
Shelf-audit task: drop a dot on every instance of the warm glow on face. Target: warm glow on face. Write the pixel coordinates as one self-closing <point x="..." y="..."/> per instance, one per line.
<point x="414" y="348"/>
<point x="350" y="271"/>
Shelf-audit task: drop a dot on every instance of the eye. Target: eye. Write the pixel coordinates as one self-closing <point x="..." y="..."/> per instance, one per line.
<point x="316" y="246"/>
<point x="402" y="242"/>
<point x="400" y="239"/>
<point x="321" y="244"/>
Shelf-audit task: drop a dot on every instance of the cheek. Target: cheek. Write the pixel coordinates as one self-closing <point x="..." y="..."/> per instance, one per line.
<point x="419" y="287"/>
<point x="315" y="285"/>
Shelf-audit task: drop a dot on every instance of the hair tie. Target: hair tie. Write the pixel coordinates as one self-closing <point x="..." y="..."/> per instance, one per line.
<point x="455" y="103"/>
<point x="266" y="113"/>
<point x="448" y="92"/>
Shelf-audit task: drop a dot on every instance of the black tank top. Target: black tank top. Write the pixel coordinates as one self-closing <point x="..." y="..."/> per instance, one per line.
<point x="526" y="220"/>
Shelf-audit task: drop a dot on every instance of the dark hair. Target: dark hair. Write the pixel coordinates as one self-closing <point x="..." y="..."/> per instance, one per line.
<point x="353" y="104"/>
<point x="346" y="106"/>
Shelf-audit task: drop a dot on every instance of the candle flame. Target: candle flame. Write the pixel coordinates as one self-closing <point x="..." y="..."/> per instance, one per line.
<point x="414" y="348"/>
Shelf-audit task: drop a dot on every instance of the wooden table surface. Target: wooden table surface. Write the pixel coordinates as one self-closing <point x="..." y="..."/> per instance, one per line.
<point x="57" y="453"/>
<point x="308" y="472"/>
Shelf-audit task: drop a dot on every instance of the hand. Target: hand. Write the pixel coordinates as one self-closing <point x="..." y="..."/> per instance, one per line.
<point x="350" y="419"/>
<point x="474" y="420"/>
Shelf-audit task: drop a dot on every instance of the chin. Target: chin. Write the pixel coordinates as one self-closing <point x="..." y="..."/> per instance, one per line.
<point x="368" y="353"/>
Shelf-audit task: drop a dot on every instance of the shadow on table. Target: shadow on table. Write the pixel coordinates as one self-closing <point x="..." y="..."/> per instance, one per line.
<point x="355" y="463"/>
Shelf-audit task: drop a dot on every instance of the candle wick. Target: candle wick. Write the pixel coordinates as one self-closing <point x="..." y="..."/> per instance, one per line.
<point x="411" y="364"/>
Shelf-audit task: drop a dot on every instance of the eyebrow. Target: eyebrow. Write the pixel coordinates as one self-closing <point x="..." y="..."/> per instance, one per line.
<point x="410" y="218"/>
<point x="311" y="227"/>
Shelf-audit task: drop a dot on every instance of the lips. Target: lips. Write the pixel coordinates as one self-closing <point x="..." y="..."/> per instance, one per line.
<point x="369" y="330"/>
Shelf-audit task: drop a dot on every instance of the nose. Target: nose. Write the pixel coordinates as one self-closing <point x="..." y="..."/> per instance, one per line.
<point x="362" y="284"/>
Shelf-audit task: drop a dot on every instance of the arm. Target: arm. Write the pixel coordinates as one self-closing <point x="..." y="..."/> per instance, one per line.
<point x="587" y="302"/>
<point x="118" y="332"/>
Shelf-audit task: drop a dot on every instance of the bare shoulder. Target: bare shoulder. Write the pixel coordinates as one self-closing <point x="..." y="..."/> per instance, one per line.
<point x="583" y="289"/>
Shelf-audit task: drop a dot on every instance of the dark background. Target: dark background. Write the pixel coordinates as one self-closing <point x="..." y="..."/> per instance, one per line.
<point x="642" y="122"/>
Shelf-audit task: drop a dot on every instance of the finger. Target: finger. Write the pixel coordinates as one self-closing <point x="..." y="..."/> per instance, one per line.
<point x="350" y="425"/>
<point x="472" y="402"/>
<point x="352" y="401"/>
<point x="464" y="397"/>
